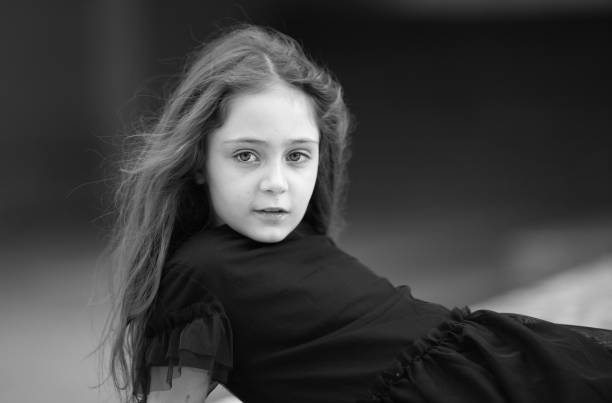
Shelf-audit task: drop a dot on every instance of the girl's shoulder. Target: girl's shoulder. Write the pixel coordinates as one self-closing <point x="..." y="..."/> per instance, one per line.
<point x="201" y="256"/>
<point x="207" y="246"/>
<point x="190" y="276"/>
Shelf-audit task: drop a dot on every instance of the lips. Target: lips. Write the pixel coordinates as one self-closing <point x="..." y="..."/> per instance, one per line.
<point x="272" y="210"/>
<point x="272" y="215"/>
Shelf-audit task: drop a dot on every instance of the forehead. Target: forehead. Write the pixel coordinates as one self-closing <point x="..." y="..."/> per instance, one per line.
<point x="278" y="113"/>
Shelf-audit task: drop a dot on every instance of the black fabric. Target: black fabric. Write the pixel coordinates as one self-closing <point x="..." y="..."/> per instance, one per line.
<point x="307" y="322"/>
<point x="188" y="327"/>
<point x="485" y="356"/>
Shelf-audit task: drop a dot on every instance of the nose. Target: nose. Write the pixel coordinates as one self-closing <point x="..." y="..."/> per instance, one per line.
<point x="274" y="179"/>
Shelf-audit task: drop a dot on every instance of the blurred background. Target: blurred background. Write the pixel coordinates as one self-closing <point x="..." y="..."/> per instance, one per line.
<point x="481" y="151"/>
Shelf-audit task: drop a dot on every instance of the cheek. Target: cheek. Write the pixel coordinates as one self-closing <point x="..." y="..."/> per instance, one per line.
<point x="231" y="192"/>
<point x="224" y="182"/>
<point x="307" y="184"/>
<point x="236" y="190"/>
<point x="313" y="176"/>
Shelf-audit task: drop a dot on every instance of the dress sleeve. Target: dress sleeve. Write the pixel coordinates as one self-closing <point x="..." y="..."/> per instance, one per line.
<point x="187" y="327"/>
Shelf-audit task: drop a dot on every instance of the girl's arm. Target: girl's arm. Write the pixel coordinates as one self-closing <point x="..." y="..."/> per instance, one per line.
<point x="190" y="387"/>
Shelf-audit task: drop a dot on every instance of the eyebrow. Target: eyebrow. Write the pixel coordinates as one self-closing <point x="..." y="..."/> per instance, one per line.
<point x="257" y="141"/>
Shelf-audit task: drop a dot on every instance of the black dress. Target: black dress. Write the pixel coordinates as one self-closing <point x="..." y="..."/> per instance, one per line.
<point x="301" y="321"/>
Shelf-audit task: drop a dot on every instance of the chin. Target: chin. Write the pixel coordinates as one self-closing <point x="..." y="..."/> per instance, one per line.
<point x="270" y="235"/>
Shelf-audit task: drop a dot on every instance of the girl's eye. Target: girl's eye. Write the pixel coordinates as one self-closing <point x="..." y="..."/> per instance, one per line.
<point x="297" y="156"/>
<point x="245" y="156"/>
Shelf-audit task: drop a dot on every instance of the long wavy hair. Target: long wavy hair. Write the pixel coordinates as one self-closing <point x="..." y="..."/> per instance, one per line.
<point x="158" y="203"/>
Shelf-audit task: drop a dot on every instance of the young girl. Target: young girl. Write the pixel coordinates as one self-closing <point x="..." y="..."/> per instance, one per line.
<point x="230" y="274"/>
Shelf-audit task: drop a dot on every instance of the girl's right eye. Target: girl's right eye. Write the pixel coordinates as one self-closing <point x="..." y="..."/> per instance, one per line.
<point x="245" y="156"/>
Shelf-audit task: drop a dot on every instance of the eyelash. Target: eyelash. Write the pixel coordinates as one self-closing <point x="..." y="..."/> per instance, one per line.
<point x="251" y="153"/>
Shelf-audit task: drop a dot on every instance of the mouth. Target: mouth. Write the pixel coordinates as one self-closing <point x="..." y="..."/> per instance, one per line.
<point x="272" y="212"/>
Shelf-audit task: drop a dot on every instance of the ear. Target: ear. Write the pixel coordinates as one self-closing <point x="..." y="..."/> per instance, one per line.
<point x="200" y="176"/>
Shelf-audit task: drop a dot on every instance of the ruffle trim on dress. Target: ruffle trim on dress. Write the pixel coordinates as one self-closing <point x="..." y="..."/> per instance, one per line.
<point x="444" y="335"/>
<point x="602" y="337"/>
<point x="198" y="336"/>
<point x="208" y="306"/>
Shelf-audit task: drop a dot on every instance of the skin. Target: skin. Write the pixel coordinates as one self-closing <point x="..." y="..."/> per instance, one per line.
<point x="190" y="387"/>
<point x="266" y="155"/>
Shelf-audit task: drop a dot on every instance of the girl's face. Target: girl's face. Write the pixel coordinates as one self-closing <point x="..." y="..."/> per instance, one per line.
<point x="261" y="165"/>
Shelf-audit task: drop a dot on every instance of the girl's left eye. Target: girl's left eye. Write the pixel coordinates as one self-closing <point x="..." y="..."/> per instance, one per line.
<point x="297" y="156"/>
